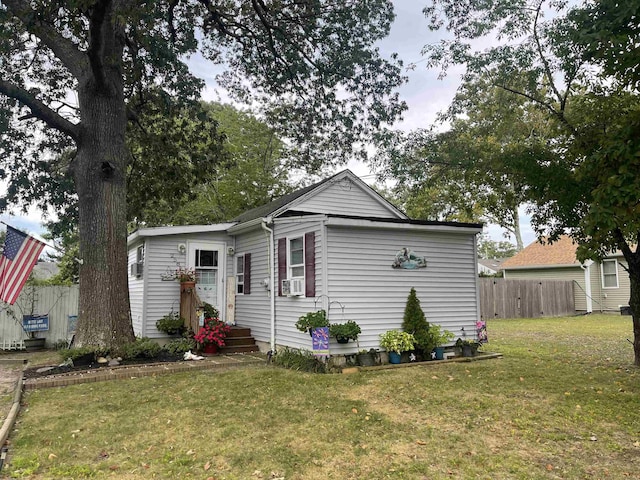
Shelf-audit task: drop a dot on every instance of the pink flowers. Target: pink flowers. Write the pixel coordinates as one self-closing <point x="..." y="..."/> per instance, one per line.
<point x="213" y="332"/>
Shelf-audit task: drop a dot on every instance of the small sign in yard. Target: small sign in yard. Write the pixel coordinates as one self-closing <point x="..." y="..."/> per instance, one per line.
<point x="320" y="341"/>
<point x="35" y="323"/>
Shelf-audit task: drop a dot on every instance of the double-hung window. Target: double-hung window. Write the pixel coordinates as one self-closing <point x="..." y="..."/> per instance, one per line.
<point x="609" y="274"/>
<point x="240" y="274"/>
<point x="243" y="274"/>
<point x="296" y="257"/>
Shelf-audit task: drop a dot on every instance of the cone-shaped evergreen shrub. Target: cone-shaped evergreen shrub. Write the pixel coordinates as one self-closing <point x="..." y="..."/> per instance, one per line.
<point x="415" y="322"/>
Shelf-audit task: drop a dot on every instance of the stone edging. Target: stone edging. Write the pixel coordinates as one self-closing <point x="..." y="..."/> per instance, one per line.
<point x="388" y="366"/>
<point x="13" y="413"/>
<point x="124" y="372"/>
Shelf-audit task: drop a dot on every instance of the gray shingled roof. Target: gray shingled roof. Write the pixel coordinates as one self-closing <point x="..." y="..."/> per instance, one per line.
<point x="269" y="208"/>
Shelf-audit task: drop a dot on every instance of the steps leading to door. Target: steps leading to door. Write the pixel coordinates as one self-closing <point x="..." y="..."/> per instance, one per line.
<point x="239" y="340"/>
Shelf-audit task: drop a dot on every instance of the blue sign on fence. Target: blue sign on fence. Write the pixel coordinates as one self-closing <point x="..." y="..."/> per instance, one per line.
<point x="35" y="323"/>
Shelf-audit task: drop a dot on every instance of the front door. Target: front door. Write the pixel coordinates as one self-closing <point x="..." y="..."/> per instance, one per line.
<point x="207" y="259"/>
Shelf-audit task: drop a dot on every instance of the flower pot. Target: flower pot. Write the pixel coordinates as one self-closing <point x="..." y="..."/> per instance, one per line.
<point x="366" y="359"/>
<point x="210" y="348"/>
<point x="467" y="351"/>
<point x="34" y="344"/>
<point x="187" y="287"/>
<point x="405" y="357"/>
<point x="342" y="339"/>
<point x="439" y="351"/>
<point x="395" y="357"/>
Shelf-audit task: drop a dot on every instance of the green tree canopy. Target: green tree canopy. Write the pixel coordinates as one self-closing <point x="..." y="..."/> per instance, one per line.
<point x="76" y="73"/>
<point x="580" y="180"/>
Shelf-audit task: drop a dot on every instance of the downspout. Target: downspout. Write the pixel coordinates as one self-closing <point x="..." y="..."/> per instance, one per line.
<point x="587" y="284"/>
<point x="272" y="279"/>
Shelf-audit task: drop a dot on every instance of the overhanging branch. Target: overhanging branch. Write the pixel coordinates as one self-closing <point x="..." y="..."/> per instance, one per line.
<point x="39" y="109"/>
<point x="64" y="49"/>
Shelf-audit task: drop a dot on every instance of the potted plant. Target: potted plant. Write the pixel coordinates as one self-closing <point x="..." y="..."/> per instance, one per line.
<point x="367" y="358"/>
<point x="184" y="274"/>
<point x="311" y="320"/>
<point x="440" y="337"/>
<point x="343" y="332"/>
<point x="212" y="335"/>
<point x="396" y="342"/>
<point x="467" y="347"/>
<point x="171" y="324"/>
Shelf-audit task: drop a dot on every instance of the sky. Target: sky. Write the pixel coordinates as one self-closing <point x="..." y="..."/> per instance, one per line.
<point x="425" y="94"/>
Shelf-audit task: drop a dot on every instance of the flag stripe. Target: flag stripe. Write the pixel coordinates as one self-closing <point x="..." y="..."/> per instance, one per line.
<point x="20" y="255"/>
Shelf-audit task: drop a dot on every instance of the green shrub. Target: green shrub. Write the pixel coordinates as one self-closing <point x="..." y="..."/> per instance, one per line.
<point x="415" y="323"/>
<point x="349" y="330"/>
<point x="210" y="311"/>
<point x="179" y="346"/>
<point x="312" y="320"/>
<point x="301" y="360"/>
<point x="141" y="348"/>
<point x="171" y="324"/>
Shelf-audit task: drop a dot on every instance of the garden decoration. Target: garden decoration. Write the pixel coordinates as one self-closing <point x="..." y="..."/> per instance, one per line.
<point x="343" y="332"/>
<point x="311" y="320"/>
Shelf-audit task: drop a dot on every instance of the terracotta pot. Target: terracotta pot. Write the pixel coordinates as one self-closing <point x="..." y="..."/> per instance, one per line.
<point x="187" y="287"/>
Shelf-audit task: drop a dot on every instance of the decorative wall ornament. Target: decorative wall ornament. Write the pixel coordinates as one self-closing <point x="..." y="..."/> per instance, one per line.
<point x="408" y="260"/>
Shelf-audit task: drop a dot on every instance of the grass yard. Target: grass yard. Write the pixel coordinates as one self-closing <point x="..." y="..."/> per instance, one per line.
<point x="563" y="403"/>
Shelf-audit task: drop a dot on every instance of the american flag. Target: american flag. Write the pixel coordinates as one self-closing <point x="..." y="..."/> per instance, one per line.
<point x="20" y="254"/>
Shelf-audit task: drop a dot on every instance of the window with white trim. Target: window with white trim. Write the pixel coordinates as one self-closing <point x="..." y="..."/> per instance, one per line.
<point x="296" y="257"/>
<point x="240" y="274"/>
<point x="609" y="274"/>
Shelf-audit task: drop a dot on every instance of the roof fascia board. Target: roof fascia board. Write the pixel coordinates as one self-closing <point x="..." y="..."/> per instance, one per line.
<point x="542" y="267"/>
<point x="177" y="230"/>
<point x="356" y="223"/>
<point x="245" y="226"/>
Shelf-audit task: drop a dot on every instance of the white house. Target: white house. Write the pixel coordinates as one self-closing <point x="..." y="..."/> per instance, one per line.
<point x="336" y="245"/>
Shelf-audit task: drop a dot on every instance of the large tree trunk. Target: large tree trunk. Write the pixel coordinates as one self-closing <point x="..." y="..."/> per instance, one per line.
<point x="634" y="303"/>
<point x="99" y="171"/>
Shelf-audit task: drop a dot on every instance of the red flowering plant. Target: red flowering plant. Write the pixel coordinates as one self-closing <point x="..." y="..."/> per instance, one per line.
<point x="213" y="332"/>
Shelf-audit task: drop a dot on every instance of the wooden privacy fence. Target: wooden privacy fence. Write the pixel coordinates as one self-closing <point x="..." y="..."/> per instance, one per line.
<point x="500" y="298"/>
<point x="58" y="302"/>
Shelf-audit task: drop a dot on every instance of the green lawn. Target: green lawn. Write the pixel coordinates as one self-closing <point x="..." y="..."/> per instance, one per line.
<point x="563" y="403"/>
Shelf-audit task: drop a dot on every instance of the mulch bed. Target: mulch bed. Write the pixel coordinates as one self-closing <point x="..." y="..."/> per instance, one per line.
<point x="47" y="371"/>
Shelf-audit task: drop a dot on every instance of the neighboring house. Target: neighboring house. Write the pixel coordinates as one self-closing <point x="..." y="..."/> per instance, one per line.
<point x="336" y="245"/>
<point x="600" y="286"/>
<point x="489" y="266"/>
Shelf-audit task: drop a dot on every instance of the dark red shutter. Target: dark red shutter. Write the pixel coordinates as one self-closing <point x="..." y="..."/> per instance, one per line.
<point x="310" y="264"/>
<point x="247" y="273"/>
<point x="282" y="263"/>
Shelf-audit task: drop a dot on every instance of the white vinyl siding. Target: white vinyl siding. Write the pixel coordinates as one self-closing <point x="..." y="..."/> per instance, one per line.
<point x="374" y="294"/>
<point x="252" y="311"/>
<point x="161" y="296"/>
<point x="346" y="198"/>
<point x="289" y="309"/>
<point x="136" y="292"/>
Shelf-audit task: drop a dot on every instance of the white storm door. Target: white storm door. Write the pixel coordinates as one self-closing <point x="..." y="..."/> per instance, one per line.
<point x="207" y="259"/>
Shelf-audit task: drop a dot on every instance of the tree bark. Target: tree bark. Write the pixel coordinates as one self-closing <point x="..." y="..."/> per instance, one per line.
<point x="100" y="176"/>
<point x="634" y="303"/>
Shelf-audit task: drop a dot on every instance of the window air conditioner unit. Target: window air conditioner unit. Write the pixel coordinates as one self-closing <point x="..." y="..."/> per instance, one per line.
<point x="136" y="270"/>
<point x="293" y="287"/>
